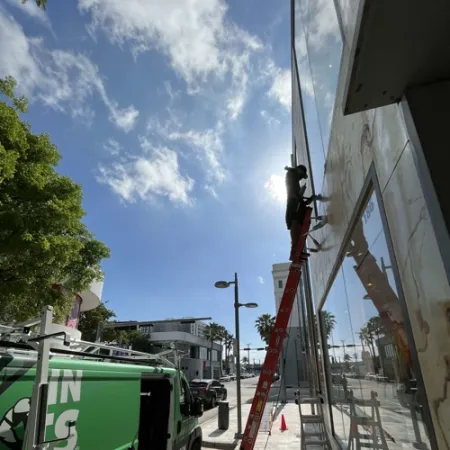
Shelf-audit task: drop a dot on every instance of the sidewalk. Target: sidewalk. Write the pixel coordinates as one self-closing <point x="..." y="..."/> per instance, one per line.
<point x="277" y="440"/>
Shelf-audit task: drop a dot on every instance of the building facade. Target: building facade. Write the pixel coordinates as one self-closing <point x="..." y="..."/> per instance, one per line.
<point x="293" y="370"/>
<point x="369" y="118"/>
<point x="199" y="357"/>
<point x="89" y="299"/>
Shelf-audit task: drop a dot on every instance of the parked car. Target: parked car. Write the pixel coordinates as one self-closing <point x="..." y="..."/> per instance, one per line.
<point x="209" y="391"/>
<point x="225" y="378"/>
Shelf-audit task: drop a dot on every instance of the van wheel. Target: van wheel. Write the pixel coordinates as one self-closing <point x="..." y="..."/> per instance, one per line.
<point x="197" y="445"/>
<point x="213" y="402"/>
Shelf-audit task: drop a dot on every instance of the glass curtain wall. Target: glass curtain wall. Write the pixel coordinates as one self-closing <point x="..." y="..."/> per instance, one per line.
<point x="318" y="49"/>
<point x="373" y="387"/>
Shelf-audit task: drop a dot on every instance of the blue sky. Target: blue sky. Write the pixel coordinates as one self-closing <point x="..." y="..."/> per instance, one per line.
<point x="175" y="118"/>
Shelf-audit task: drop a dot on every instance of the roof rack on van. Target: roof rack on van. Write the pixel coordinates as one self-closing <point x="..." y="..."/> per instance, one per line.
<point x="52" y="339"/>
<point x="19" y="337"/>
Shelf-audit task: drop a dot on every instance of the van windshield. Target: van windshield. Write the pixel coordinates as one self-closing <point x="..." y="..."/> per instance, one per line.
<point x="198" y="384"/>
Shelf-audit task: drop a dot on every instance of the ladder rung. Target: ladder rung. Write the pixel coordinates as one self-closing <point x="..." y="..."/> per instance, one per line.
<point x="364" y="421"/>
<point x="316" y="442"/>
<point x="309" y="400"/>
<point x="313" y="433"/>
<point x="311" y="419"/>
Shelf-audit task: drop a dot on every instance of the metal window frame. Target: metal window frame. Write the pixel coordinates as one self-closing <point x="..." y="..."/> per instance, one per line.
<point x="371" y="185"/>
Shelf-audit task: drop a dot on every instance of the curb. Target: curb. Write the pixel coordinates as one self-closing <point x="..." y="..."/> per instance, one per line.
<point x="222" y="445"/>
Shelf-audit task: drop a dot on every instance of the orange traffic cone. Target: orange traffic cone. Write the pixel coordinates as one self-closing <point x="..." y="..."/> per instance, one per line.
<point x="283" y="424"/>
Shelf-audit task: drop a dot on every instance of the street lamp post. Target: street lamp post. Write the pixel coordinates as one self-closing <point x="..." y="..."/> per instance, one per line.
<point x="237" y="305"/>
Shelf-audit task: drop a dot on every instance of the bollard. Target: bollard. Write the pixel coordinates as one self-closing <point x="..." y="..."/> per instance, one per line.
<point x="223" y="416"/>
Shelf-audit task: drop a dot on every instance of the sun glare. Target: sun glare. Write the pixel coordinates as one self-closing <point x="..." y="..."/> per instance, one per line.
<point x="276" y="188"/>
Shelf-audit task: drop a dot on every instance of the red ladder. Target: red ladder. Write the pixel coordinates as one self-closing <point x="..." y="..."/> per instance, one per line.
<point x="276" y="341"/>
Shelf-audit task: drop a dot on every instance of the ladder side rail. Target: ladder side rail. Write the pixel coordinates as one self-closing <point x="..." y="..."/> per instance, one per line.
<point x="275" y="343"/>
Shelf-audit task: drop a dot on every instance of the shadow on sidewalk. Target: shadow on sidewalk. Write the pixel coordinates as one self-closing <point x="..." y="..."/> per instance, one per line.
<point x="277" y="411"/>
<point x="217" y="433"/>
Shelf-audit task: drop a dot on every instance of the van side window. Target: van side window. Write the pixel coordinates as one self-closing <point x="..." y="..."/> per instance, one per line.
<point x="185" y="393"/>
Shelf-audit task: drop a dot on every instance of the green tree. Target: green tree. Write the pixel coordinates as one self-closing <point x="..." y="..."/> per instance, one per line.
<point x="213" y="332"/>
<point x="265" y="325"/>
<point x="228" y="343"/>
<point x="329" y="322"/>
<point x="43" y="240"/>
<point x="138" y="341"/>
<point x="91" y="320"/>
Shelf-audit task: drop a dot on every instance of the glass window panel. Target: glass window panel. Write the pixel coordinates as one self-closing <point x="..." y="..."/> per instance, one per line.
<point x="318" y="45"/>
<point x="316" y="149"/>
<point x="368" y="346"/>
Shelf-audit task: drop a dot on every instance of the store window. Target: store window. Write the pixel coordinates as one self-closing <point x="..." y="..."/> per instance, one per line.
<point x="74" y="317"/>
<point x="203" y="354"/>
<point x="371" y="379"/>
<point x="318" y="48"/>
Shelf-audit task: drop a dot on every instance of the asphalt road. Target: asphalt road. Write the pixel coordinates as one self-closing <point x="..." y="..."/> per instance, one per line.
<point x="248" y="387"/>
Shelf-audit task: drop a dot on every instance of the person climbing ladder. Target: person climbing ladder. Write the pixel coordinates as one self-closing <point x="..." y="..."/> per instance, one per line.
<point x="296" y="203"/>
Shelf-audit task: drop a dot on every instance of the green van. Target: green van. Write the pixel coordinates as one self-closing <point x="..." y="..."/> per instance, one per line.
<point x="93" y="405"/>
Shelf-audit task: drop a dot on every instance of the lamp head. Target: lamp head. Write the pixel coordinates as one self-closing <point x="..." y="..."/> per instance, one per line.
<point x="250" y="305"/>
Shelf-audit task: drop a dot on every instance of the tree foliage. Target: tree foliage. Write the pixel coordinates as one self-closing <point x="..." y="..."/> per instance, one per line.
<point x="329" y="322"/>
<point x="43" y="239"/>
<point x="91" y="320"/>
<point x="265" y="325"/>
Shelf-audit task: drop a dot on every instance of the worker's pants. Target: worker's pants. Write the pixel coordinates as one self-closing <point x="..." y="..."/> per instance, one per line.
<point x="295" y="236"/>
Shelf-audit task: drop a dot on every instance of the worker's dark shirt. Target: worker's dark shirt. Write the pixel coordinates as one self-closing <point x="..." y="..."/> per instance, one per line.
<point x="293" y="184"/>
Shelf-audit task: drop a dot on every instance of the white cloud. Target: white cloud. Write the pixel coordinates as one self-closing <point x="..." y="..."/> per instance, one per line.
<point x="62" y="80"/>
<point x="147" y="177"/>
<point x="210" y="189"/>
<point x="281" y="89"/>
<point x="112" y="147"/>
<point x="31" y="9"/>
<point x="207" y="145"/>
<point x="323" y="25"/>
<point x="202" y="46"/>
<point x="261" y="280"/>
<point x="268" y="118"/>
<point x="124" y="119"/>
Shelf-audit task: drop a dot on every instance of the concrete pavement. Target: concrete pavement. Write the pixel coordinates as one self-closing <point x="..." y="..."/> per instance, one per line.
<point x="248" y="387"/>
<point x="270" y="437"/>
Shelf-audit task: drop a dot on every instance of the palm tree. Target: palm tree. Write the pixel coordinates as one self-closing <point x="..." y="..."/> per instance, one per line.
<point x="213" y="332"/>
<point x="329" y="322"/>
<point x="347" y="359"/>
<point x="228" y="341"/>
<point x="265" y="325"/>
<point x="245" y="360"/>
<point x="366" y="335"/>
